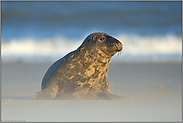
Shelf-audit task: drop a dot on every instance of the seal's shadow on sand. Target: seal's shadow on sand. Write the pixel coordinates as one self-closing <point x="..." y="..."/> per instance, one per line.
<point x="32" y="98"/>
<point x="17" y="98"/>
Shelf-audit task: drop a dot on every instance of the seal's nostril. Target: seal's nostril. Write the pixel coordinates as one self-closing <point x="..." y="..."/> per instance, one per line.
<point x="118" y="46"/>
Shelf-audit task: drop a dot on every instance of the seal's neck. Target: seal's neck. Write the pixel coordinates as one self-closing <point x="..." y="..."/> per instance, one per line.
<point x="96" y="57"/>
<point x="95" y="69"/>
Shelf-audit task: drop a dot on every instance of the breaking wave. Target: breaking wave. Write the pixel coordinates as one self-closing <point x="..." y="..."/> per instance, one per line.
<point x="134" y="47"/>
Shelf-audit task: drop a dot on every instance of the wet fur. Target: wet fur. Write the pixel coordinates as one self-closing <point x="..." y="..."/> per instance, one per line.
<point x="83" y="73"/>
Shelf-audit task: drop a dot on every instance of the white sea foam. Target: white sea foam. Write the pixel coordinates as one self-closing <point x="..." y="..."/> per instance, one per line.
<point x="45" y="47"/>
<point x="132" y="45"/>
<point x="136" y="45"/>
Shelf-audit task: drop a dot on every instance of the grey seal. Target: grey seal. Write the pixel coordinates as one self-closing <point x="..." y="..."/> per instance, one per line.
<point x="83" y="73"/>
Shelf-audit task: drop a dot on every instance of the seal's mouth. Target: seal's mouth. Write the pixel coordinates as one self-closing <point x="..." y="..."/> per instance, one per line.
<point x="115" y="47"/>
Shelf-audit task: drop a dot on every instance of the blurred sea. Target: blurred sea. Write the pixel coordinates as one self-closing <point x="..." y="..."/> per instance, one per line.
<point x="40" y="31"/>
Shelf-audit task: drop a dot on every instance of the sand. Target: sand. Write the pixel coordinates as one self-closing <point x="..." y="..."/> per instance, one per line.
<point x="154" y="87"/>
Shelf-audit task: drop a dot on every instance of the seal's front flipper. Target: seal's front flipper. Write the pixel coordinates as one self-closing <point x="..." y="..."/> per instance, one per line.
<point x="47" y="94"/>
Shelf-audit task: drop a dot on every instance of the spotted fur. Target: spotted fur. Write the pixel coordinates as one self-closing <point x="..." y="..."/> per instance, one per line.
<point x="83" y="73"/>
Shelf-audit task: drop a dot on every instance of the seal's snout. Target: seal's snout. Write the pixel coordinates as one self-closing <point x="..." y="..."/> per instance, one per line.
<point x="119" y="46"/>
<point x="114" y="45"/>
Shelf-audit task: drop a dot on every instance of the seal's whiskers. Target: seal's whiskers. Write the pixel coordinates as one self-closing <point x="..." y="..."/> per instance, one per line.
<point x="119" y="53"/>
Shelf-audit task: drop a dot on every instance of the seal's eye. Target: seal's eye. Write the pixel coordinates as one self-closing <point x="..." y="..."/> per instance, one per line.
<point x="102" y="38"/>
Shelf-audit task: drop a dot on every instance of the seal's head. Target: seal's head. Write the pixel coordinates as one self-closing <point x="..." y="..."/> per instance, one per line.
<point x="103" y="44"/>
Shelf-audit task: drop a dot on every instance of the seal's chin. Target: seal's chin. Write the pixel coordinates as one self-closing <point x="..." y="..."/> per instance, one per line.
<point x="111" y="52"/>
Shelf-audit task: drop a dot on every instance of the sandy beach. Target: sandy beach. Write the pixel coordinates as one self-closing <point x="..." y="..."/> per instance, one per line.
<point x="154" y="86"/>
